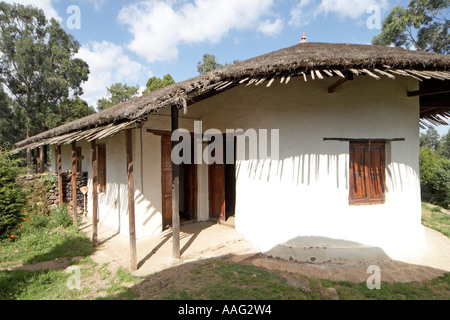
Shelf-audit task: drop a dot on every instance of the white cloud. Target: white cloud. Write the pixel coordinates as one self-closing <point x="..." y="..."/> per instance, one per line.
<point x="97" y="4"/>
<point x="158" y="27"/>
<point x="307" y="10"/>
<point x="108" y="64"/>
<point x="45" y="5"/>
<point x="270" y="28"/>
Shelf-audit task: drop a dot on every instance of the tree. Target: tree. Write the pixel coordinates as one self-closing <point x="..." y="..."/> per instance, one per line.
<point x="155" y="83"/>
<point x="209" y="64"/>
<point x="434" y="177"/>
<point x="445" y="145"/>
<point x="37" y="64"/>
<point x="6" y="115"/>
<point x="430" y="139"/>
<point x="68" y="111"/>
<point x="12" y="197"/>
<point x="423" y="25"/>
<point x="117" y="93"/>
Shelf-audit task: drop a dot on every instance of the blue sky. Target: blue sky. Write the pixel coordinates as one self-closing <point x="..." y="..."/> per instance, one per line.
<point x="130" y="41"/>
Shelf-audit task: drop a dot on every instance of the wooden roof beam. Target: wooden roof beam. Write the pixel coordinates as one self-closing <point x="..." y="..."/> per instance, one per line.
<point x="427" y="92"/>
<point x="340" y="83"/>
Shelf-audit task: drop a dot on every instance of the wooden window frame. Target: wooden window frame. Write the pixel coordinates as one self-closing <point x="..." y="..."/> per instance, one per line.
<point x="367" y="172"/>
<point x="101" y="167"/>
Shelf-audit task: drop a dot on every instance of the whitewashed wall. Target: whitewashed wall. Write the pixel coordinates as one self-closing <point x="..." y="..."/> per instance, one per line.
<point x="305" y="192"/>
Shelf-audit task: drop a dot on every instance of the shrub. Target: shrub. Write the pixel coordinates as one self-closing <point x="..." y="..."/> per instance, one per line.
<point x="12" y="197"/>
<point x="60" y="217"/>
<point x="434" y="177"/>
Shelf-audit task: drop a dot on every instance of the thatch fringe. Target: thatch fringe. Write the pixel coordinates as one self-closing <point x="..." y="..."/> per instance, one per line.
<point x="315" y="60"/>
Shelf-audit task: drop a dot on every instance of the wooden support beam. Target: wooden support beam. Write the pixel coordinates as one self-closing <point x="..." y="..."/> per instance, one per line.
<point x="42" y="158"/>
<point x="38" y="160"/>
<point x="131" y="204"/>
<point x="363" y="139"/>
<point x="94" y="193"/>
<point x="340" y="83"/>
<point x="159" y="132"/>
<point x="175" y="193"/>
<point x="427" y="92"/>
<point x="60" y="179"/>
<point x="74" y="184"/>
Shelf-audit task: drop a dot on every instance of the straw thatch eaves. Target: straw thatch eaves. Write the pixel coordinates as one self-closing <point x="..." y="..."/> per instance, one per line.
<point x="312" y="61"/>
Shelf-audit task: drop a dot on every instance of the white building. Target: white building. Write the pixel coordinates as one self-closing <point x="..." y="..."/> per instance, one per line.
<point x="347" y="119"/>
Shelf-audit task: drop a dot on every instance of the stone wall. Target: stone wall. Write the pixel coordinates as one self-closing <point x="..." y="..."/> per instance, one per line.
<point x="44" y="190"/>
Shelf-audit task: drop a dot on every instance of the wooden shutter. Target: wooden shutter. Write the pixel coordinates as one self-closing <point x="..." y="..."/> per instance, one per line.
<point x="376" y="168"/>
<point x="166" y="181"/>
<point x="367" y="172"/>
<point x="101" y="166"/>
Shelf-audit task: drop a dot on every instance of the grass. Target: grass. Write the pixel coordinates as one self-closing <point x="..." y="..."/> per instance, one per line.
<point x="433" y="217"/>
<point x="41" y="238"/>
<point x="220" y="280"/>
<point x="216" y="279"/>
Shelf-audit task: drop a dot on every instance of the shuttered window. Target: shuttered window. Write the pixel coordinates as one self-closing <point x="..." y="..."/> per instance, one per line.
<point x="101" y="167"/>
<point x="367" y="172"/>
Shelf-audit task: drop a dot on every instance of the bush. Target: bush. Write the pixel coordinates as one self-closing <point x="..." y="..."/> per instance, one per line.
<point x="12" y="197"/>
<point x="434" y="177"/>
<point x="61" y="217"/>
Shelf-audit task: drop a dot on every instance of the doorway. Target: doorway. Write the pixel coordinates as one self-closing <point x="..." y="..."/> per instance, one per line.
<point x="188" y="186"/>
<point x="222" y="184"/>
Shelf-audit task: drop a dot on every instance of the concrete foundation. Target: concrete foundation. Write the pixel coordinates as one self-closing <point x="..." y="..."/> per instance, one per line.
<point x="325" y="250"/>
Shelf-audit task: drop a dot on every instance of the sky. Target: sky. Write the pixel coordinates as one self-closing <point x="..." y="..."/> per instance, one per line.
<point x="130" y="41"/>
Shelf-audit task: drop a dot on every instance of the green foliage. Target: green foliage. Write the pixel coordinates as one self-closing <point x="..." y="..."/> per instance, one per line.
<point x="61" y="217"/>
<point x="434" y="177"/>
<point x="445" y="145"/>
<point x="67" y="111"/>
<point x="431" y="139"/>
<point x="209" y="63"/>
<point x="155" y="83"/>
<point x="117" y="93"/>
<point x="5" y="117"/>
<point x="423" y="24"/>
<point x="12" y="197"/>
<point x="37" y="64"/>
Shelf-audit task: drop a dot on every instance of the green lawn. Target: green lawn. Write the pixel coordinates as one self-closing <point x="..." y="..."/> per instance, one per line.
<point x="216" y="279"/>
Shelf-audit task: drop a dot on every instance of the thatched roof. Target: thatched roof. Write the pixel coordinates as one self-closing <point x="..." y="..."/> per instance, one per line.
<point x="322" y="58"/>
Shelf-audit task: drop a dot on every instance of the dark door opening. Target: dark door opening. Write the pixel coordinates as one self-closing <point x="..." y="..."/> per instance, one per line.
<point x="188" y="186"/>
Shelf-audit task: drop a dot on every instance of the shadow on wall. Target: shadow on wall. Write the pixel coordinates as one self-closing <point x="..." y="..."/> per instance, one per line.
<point x="304" y="169"/>
<point x="325" y="162"/>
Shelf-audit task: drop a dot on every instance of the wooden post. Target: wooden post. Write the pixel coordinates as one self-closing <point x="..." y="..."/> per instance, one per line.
<point x="60" y="179"/>
<point x="74" y="184"/>
<point x="175" y="192"/>
<point x="131" y="212"/>
<point x="94" y="193"/>
<point x="42" y="159"/>
<point x="38" y="161"/>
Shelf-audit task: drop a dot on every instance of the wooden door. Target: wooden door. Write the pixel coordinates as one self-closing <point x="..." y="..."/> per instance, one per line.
<point x="190" y="191"/>
<point x="217" y="191"/>
<point x="166" y="181"/>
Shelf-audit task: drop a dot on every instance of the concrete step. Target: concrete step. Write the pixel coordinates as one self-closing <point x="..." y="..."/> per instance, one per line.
<point x="320" y="250"/>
